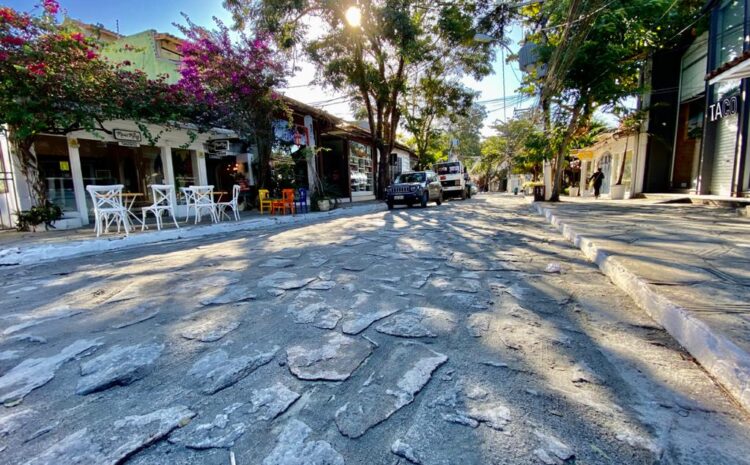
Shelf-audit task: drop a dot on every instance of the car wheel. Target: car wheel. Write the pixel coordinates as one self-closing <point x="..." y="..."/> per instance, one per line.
<point x="425" y="199"/>
<point x="468" y="193"/>
<point x="390" y="206"/>
<point x="463" y="194"/>
<point x="439" y="200"/>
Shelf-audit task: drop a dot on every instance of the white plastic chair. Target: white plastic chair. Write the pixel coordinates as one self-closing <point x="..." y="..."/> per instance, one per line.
<point x="233" y="204"/>
<point x="187" y="192"/>
<point x="163" y="195"/>
<point x="203" y="199"/>
<point x="108" y="208"/>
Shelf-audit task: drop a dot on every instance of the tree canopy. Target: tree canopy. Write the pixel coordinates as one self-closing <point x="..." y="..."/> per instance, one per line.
<point x="236" y="79"/>
<point x="372" y="61"/>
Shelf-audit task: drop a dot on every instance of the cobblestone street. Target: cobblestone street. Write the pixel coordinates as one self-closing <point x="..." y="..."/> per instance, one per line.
<point x="469" y="333"/>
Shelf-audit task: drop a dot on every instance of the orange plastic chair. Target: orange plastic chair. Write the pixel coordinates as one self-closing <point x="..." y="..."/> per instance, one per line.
<point x="264" y="201"/>
<point x="286" y="202"/>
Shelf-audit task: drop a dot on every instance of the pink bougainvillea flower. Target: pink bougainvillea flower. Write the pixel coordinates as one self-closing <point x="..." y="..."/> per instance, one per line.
<point x="90" y="54"/>
<point x="77" y="36"/>
<point x="51" y="6"/>
<point x="3" y="56"/>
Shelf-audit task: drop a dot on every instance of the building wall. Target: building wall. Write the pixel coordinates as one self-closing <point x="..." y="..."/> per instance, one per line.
<point x="142" y="50"/>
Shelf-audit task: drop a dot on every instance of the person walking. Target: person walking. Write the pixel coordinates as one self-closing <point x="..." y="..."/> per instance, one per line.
<point x="598" y="179"/>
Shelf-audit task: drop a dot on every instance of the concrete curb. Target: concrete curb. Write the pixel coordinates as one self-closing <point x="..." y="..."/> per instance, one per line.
<point x="33" y="254"/>
<point x="725" y="361"/>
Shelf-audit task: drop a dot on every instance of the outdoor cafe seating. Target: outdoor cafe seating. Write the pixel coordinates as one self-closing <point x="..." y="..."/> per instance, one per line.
<point x="108" y="208"/>
<point x="285" y="203"/>
<point x="113" y="206"/>
<point x="233" y="204"/>
<point x="163" y="195"/>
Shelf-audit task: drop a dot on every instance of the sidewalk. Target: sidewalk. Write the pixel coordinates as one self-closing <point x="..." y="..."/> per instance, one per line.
<point x="688" y="266"/>
<point x="31" y="248"/>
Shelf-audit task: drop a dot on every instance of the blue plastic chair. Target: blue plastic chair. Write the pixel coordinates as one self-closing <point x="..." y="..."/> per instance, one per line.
<point x="302" y="200"/>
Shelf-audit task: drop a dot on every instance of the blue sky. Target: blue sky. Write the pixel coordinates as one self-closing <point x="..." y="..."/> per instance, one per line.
<point x="133" y="16"/>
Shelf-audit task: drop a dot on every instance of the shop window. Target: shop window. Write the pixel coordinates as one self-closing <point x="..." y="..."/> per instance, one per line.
<point x="360" y="167"/>
<point x="54" y="168"/>
<point x="135" y="168"/>
<point x="730" y="31"/>
<point x="182" y="163"/>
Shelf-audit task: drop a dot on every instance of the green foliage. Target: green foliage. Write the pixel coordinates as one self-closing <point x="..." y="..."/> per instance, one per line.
<point x="466" y="129"/>
<point x="37" y="215"/>
<point x="435" y="102"/>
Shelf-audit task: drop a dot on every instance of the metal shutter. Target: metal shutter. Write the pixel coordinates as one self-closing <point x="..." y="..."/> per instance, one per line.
<point x="723" y="166"/>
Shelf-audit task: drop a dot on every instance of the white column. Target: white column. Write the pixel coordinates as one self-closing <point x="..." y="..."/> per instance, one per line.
<point x="311" y="166"/>
<point x="199" y="168"/>
<point x="584" y="177"/>
<point x="77" y="173"/>
<point x="547" y="176"/>
<point x="166" y="163"/>
<point x="9" y="201"/>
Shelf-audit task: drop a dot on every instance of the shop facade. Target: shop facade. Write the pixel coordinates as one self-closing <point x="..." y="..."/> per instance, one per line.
<point x="724" y="164"/>
<point x="608" y="153"/>
<point x="68" y="164"/>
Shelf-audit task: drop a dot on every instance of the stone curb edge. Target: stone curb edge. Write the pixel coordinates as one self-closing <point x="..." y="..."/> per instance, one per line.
<point x="17" y="256"/>
<point x="724" y="360"/>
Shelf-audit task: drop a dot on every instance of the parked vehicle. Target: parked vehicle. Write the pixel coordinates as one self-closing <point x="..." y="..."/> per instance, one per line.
<point x="417" y="187"/>
<point x="473" y="190"/>
<point x="454" y="179"/>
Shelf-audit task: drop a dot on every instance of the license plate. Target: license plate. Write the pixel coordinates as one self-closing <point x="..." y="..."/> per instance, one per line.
<point x="398" y="197"/>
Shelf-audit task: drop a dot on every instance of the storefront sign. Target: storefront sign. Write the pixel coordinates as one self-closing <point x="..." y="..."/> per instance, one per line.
<point x="726" y="107"/>
<point x="127" y="138"/>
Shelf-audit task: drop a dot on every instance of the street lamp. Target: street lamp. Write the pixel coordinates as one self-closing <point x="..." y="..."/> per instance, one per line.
<point x="354" y="16"/>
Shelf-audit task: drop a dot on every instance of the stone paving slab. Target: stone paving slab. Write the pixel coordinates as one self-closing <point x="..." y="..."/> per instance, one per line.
<point x="688" y="266"/>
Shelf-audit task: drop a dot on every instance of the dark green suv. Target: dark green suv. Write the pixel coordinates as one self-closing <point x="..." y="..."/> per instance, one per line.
<point x="416" y="187"/>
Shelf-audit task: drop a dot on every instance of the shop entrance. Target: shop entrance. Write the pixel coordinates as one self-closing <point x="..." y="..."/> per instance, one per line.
<point x="688" y="145"/>
<point x="221" y="172"/>
<point x="335" y="167"/>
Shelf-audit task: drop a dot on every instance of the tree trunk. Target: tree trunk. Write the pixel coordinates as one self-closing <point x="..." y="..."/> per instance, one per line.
<point x="30" y="167"/>
<point x="624" y="157"/>
<point x="560" y="159"/>
<point x="264" y="144"/>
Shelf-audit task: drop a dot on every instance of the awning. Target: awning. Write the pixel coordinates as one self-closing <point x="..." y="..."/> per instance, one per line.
<point x="584" y="155"/>
<point x="739" y="68"/>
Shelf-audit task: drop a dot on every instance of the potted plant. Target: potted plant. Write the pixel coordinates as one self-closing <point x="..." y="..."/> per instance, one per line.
<point x="38" y="218"/>
<point x="324" y="198"/>
<point x="575" y="168"/>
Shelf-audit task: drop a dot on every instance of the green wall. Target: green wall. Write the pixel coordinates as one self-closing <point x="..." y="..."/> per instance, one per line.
<point x="141" y="51"/>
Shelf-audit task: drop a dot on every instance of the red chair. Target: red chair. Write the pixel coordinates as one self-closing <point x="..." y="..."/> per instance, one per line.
<point x="286" y="202"/>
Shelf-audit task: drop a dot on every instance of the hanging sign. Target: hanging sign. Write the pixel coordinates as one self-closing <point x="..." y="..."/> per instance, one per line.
<point x="727" y="106"/>
<point x="127" y="138"/>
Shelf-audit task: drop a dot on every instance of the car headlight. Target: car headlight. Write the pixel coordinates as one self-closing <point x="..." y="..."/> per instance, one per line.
<point x="412" y="188"/>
